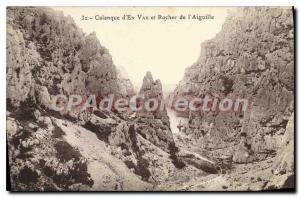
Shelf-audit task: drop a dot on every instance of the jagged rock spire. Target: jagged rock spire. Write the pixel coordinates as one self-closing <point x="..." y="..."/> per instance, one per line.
<point x="150" y="87"/>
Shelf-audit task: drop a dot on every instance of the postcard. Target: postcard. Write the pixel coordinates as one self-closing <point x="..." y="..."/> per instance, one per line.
<point x="150" y="98"/>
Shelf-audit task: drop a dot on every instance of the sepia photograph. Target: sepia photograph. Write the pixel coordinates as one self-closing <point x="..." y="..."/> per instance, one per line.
<point x="151" y="99"/>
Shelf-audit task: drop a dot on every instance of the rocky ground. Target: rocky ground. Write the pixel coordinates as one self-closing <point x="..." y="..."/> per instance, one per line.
<point x="253" y="176"/>
<point x="103" y="166"/>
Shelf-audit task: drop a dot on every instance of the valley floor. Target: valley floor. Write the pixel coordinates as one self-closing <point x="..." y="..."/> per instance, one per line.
<point x="242" y="178"/>
<point x="108" y="171"/>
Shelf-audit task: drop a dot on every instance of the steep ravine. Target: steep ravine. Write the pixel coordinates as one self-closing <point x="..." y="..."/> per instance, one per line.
<point x="48" y="54"/>
<point x="251" y="57"/>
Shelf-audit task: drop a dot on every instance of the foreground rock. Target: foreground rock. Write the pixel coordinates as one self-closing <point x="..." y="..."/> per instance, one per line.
<point x="285" y="165"/>
<point x="110" y="151"/>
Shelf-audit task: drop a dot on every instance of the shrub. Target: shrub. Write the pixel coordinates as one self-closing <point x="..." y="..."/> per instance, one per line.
<point x="102" y="131"/>
<point x="57" y="131"/>
<point x="26" y="109"/>
<point x="9" y="105"/>
<point x="173" y="156"/>
<point x="142" y="168"/>
<point x="100" y="114"/>
<point x="129" y="164"/>
<point x="66" y="152"/>
<point x="28" y="176"/>
<point x="78" y="173"/>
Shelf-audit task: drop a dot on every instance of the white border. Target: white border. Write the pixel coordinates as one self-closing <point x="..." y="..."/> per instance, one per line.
<point x="5" y="3"/>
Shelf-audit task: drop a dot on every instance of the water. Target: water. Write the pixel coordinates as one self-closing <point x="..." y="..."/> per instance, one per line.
<point x="175" y="120"/>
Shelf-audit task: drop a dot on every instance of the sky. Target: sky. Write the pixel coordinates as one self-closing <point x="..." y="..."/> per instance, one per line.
<point x="165" y="48"/>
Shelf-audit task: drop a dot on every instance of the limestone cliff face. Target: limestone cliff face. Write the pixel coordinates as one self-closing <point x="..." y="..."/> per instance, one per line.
<point x="47" y="51"/>
<point x="285" y="158"/>
<point x="253" y="57"/>
<point x="159" y="131"/>
<point x="47" y="55"/>
<point x="126" y="86"/>
<point x="284" y="165"/>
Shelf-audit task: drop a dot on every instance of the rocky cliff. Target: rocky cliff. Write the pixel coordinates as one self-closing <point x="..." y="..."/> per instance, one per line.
<point x="284" y="165"/>
<point x="251" y="57"/>
<point x="47" y="54"/>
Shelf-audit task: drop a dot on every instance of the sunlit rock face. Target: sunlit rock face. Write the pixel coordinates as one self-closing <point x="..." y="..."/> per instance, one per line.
<point x="46" y="50"/>
<point x="284" y="165"/>
<point x="286" y="159"/>
<point x="252" y="57"/>
<point x="126" y="87"/>
<point x="47" y="54"/>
